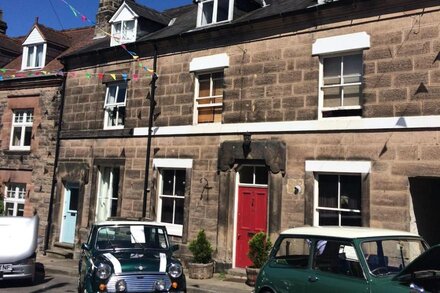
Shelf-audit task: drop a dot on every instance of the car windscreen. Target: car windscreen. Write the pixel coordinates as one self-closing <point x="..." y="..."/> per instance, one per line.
<point x="390" y="256"/>
<point x="130" y="237"/>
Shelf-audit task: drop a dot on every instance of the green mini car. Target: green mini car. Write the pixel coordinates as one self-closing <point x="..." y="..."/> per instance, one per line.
<point x="129" y="256"/>
<point x="350" y="259"/>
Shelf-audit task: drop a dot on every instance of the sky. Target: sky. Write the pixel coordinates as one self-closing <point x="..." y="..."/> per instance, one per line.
<point x="20" y="14"/>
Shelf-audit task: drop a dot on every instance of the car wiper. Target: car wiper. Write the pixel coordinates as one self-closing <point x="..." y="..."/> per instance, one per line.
<point x="110" y="242"/>
<point x="137" y="242"/>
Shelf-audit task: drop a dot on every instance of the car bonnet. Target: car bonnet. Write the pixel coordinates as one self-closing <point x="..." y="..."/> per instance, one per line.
<point x="427" y="261"/>
<point x="129" y="261"/>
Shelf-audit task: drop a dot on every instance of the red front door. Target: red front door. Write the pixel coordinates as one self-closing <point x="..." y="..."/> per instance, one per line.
<point x="251" y="219"/>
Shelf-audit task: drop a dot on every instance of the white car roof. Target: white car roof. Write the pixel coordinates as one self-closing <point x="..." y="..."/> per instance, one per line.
<point x="347" y="232"/>
<point x="107" y="223"/>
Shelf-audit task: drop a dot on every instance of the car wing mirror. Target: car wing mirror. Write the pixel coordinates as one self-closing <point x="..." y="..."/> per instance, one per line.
<point x="85" y="246"/>
<point x="175" y="247"/>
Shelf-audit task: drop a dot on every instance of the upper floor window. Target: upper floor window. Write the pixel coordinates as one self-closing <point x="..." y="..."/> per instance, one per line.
<point x="33" y="56"/>
<point x="209" y="98"/>
<point x="123" y="32"/>
<point x="114" y="106"/>
<point x="341" y="85"/>
<point x="21" y="133"/>
<point x="214" y="11"/>
<point x="14" y="199"/>
<point x="340" y="74"/>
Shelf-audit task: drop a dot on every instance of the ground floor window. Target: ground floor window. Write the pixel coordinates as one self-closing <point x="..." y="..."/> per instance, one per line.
<point x="339" y="199"/>
<point x="14" y="199"/>
<point x="171" y="199"/>
<point x="107" y="199"/>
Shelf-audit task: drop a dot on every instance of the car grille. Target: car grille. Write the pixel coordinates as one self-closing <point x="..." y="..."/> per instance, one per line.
<point x="138" y="282"/>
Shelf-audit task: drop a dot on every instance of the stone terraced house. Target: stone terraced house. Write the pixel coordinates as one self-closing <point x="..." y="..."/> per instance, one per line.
<point x="30" y="97"/>
<point x="267" y="114"/>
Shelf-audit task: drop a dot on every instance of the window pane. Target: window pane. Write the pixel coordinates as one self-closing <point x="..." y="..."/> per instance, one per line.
<point x="167" y="210"/>
<point x="328" y="218"/>
<point x="168" y="182"/>
<point x="29" y="116"/>
<point x="19" y="117"/>
<point x="328" y="191"/>
<point x="111" y="95"/>
<point x="217" y="87"/>
<point x="39" y="59"/>
<point x="352" y="95"/>
<point x="73" y="205"/>
<point x="112" y="113"/>
<point x="129" y="32"/>
<point x="352" y="68"/>
<point x="180" y="182"/>
<point x="9" y="209"/>
<point x="206" y="115"/>
<point x="246" y="174"/>
<point x="261" y="175"/>
<point x="208" y="8"/>
<point x="350" y="192"/>
<point x="332" y="97"/>
<point x="122" y="93"/>
<point x="351" y="219"/>
<point x="27" y="136"/>
<point x="293" y="252"/>
<point x="218" y="114"/>
<point x="20" y="210"/>
<point x="332" y="70"/>
<point x="204" y="88"/>
<point x="222" y="10"/>
<point x="31" y="56"/>
<point x="178" y="218"/>
<point x="121" y="116"/>
<point x="16" y="136"/>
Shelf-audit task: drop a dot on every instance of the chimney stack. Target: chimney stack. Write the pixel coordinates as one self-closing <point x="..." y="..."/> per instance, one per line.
<point x="106" y="10"/>
<point x="3" y="25"/>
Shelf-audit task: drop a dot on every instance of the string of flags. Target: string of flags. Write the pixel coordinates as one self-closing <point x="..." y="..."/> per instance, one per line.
<point x="18" y="74"/>
<point x="6" y="73"/>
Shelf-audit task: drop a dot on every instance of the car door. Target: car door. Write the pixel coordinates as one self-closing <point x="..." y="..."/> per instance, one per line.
<point x="336" y="268"/>
<point x="288" y="268"/>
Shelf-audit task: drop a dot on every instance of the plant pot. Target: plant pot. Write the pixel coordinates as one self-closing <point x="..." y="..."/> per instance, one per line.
<point x="200" y="270"/>
<point x="251" y="276"/>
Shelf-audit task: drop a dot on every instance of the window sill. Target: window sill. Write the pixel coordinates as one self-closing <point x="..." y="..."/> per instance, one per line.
<point x="17" y="152"/>
<point x="114" y="127"/>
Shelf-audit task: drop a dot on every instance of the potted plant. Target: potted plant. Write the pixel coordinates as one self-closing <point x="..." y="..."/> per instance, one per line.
<point x="202" y="265"/>
<point x="259" y="248"/>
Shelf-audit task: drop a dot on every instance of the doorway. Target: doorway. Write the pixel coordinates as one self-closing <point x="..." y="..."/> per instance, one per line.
<point x="70" y="212"/>
<point x="251" y="209"/>
<point x="425" y="194"/>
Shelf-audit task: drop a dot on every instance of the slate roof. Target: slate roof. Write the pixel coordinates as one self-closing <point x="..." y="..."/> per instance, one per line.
<point x="148" y="13"/>
<point x="9" y="44"/>
<point x="186" y="16"/>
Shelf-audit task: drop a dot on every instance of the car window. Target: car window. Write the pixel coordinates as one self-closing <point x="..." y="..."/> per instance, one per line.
<point x="131" y="236"/>
<point x="390" y="256"/>
<point x="336" y="257"/>
<point x="293" y="252"/>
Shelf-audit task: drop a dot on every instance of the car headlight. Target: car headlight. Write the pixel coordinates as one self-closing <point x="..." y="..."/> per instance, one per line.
<point x="159" y="285"/>
<point x="175" y="270"/>
<point x="103" y="271"/>
<point x="121" y="286"/>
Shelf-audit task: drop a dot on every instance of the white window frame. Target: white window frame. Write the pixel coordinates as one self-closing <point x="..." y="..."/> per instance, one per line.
<point x="14" y="189"/>
<point x="100" y="197"/>
<point x="341" y="85"/>
<point x="214" y="12"/>
<point x="170" y="164"/>
<point x="32" y="62"/>
<point x="117" y="40"/>
<point x="361" y="168"/>
<point x="109" y="106"/>
<point x="23" y="125"/>
<point x="211" y="96"/>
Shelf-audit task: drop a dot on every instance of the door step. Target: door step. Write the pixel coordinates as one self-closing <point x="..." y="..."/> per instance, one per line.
<point x="61" y="250"/>
<point x="237" y="273"/>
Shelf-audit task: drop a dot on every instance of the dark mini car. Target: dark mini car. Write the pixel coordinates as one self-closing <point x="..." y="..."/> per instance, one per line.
<point x="347" y="260"/>
<point x="129" y="256"/>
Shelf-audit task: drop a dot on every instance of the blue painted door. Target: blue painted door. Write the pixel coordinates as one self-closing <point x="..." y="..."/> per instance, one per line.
<point x="70" y="212"/>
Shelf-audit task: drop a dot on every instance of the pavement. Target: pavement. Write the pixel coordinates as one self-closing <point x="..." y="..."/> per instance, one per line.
<point x="220" y="283"/>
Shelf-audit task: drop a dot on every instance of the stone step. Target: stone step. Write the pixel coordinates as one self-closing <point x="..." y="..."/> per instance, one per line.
<point x="237" y="273"/>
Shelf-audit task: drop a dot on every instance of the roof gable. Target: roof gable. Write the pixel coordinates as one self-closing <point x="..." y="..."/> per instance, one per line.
<point x="124" y="12"/>
<point x="35" y="37"/>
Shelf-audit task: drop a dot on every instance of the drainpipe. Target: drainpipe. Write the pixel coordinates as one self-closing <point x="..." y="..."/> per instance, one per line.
<point x="55" y="165"/>
<point x="149" y="136"/>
